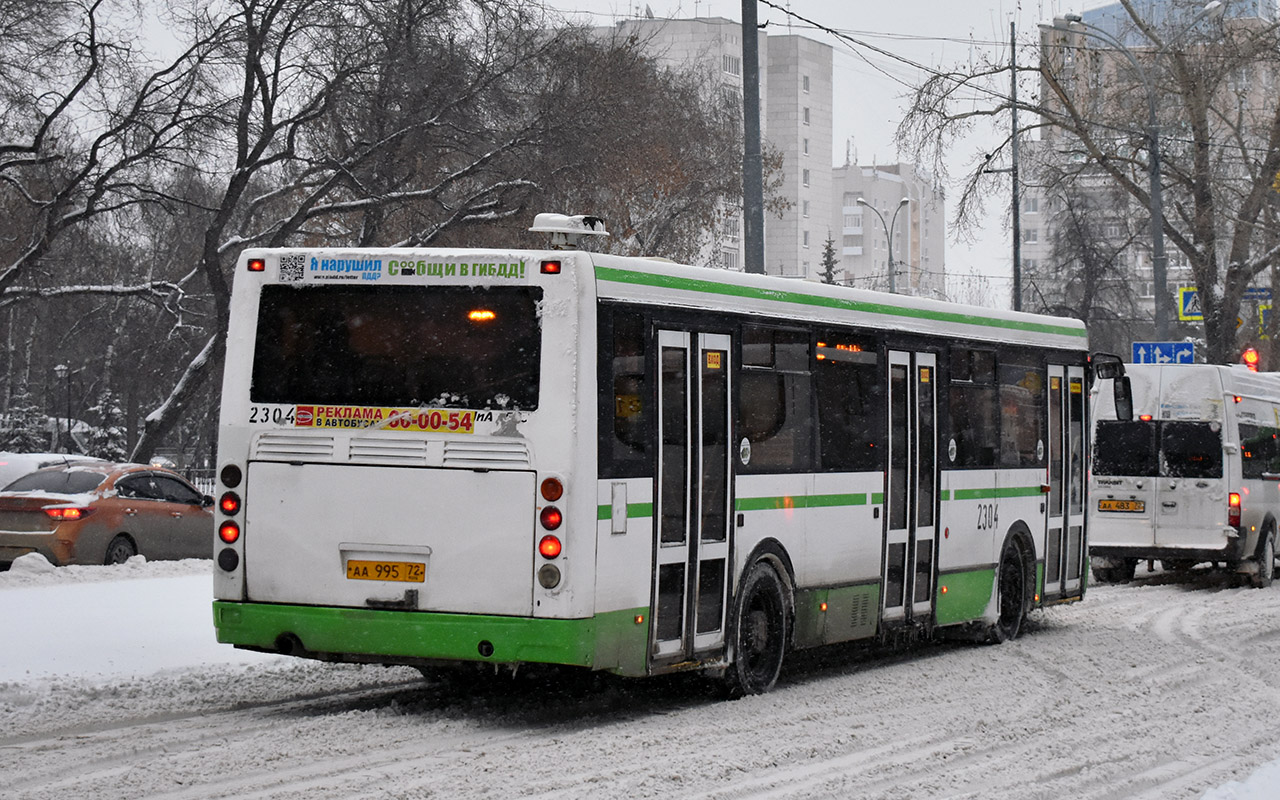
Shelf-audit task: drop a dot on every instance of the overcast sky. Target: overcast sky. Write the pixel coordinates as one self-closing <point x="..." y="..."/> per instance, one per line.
<point x="871" y="88"/>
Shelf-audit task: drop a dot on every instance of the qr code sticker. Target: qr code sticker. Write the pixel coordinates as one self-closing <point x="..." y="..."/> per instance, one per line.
<point x="292" y="267"/>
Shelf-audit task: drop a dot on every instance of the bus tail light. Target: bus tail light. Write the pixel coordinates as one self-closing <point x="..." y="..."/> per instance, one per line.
<point x="550" y="268"/>
<point x="552" y="489"/>
<point x="230" y="503"/>
<point x="1233" y="509"/>
<point x="550" y="518"/>
<point x="229" y="532"/>
<point x="550" y="546"/>
<point x="257" y="265"/>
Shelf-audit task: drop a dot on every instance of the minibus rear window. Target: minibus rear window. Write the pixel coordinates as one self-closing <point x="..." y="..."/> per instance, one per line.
<point x="1186" y="449"/>
<point x="1191" y="449"/>
<point x="1125" y="448"/>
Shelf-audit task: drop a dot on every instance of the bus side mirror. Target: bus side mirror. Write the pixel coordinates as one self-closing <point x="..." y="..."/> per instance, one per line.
<point x="1106" y="365"/>
<point x="1122" y="393"/>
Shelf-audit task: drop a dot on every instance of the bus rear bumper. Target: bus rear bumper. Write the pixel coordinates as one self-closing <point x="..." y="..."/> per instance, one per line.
<point x="612" y="641"/>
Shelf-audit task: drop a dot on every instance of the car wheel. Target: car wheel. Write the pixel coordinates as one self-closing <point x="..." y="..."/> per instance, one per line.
<point x="120" y="550"/>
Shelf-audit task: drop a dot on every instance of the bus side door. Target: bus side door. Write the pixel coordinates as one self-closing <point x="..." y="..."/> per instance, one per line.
<point x="693" y="515"/>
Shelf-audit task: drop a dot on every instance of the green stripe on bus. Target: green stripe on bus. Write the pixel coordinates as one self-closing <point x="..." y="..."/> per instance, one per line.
<point x="610" y="274"/>
<point x="799" y="501"/>
<point x="634" y="511"/>
<point x="944" y="495"/>
<point x="996" y="493"/>
<point x="967" y="595"/>
<point x="614" y="640"/>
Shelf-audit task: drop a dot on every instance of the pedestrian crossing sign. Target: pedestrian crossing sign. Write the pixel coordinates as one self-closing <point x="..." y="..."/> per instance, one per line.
<point x="1189" y="304"/>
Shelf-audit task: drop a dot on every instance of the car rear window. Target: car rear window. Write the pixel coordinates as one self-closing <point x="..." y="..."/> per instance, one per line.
<point x="58" y="481"/>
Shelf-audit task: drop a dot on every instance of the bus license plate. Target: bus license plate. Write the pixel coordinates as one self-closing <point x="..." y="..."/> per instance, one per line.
<point x="1136" y="506"/>
<point x="406" y="571"/>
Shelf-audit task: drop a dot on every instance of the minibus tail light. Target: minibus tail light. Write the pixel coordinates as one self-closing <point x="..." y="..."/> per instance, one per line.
<point x="1233" y="509"/>
<point x="257" y="265"/>
<point x="550" y="268"/>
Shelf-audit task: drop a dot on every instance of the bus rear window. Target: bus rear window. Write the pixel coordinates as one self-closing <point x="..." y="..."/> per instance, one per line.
<point x="442" y="347"/>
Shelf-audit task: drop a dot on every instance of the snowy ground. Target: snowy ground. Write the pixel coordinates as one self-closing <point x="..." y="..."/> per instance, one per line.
<point x="111" y="687"/>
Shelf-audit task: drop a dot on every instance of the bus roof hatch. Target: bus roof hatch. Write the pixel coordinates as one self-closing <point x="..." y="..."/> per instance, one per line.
<point x="567" y="231"/>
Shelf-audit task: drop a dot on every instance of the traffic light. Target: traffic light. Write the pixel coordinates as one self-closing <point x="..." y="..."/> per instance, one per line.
<point x="1250" y="358"/>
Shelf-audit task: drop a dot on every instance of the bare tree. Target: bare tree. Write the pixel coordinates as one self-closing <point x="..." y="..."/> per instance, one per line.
<point x="1220" y="135"/>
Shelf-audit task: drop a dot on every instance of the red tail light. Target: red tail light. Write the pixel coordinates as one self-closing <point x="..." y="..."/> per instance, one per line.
<point x="1233" y="509"/>
<point x="68" y="514"/>
<point x="229" y="532"/>
<point x="550" y="268"/>
<point x="550" y="518"/>
<point x="230" y="503"/>
<point x="257" y="265"/>
<point x="549" y="547"/>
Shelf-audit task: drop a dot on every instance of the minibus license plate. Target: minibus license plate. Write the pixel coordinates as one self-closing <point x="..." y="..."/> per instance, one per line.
<point x="1137" y="506"/>
<point x="405" y="571"/>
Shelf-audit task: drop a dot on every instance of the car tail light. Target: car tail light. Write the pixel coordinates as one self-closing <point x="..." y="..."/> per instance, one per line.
<point x="68" y="514"/>
<point x="549" y="547"/>
<point x="229" y="532"/>
<point x="552" y="489"/>
<point x="1233" y="509"/>
<point x="550" y="518"/>
<point x="230" y="503"/>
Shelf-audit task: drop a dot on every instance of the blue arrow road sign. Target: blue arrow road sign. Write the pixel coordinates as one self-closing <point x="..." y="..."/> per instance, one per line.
<point x="1164" y="353"/>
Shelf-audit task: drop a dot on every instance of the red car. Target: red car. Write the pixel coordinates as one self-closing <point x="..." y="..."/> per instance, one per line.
<point x="104" y="513"/>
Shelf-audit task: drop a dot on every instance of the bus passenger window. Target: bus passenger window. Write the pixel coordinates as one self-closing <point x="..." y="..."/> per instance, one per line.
<point x="1021" y="415"/>
<point x="625" y="398"/>
<point x="850" y="392"/>
<point x="974" y="409"/>
<point x="775" y="405"/>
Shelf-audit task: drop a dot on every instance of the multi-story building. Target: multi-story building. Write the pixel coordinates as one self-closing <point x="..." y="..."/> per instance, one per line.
<point x="796" y="122"/>
<point x="1084" y="240"/>
<point x="894" y="238"/>
<point x="796" y="92"/>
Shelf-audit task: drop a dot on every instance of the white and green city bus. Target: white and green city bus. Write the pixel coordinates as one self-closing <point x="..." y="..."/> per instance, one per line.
<point x="625" y="464"/>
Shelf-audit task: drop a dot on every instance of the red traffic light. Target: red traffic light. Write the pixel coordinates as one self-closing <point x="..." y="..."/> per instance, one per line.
<point x="1250" y="358"/>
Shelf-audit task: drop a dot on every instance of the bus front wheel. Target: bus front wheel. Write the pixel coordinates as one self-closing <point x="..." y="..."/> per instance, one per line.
<point x="759" y="632"/>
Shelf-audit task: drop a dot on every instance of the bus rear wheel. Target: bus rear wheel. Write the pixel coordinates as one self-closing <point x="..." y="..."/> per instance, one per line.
<point x="1011" y="594"/>
<point x="758" y="633"/>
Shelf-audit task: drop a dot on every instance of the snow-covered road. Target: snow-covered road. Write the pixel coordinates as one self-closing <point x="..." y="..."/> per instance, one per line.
<point x="1162" y="688"/>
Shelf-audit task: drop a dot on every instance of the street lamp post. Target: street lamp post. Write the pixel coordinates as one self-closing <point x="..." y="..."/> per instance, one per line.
<point x="64" y="372"/>
<point x="1155" y="198"/>
<point x="888" y="235"/>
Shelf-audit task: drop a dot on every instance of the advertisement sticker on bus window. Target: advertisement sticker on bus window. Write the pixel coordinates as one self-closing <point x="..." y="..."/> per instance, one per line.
<point x="511" y="270"/>
<point x="713" y="359"/>
<point x="924" y="374"/>
<point x="429" y="420"/>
